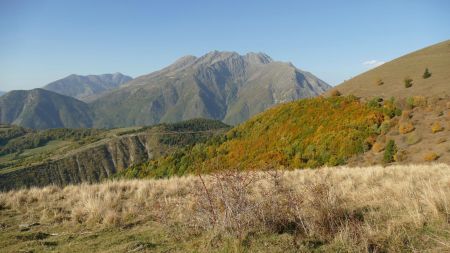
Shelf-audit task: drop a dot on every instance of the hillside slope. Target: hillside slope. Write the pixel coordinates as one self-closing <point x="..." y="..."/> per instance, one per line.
<point x="86" y="88"/>
<point x="392" y="74"/>
<point x="305" y="133"/>
<point x="41" y="109"/>
<point x="69" y="156"/>
<point x="219" y="85"/>
<point x="364" y="209"/>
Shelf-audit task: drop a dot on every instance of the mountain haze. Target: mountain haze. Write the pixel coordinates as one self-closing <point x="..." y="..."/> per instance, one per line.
<point x="392" y="75"/>
<point x="87" y="87"/>
<point x="219" y="85"/>
<point x="39" y="109"/>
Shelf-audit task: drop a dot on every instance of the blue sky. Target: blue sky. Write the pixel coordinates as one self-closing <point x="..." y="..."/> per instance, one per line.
<point x="41" y="41"/>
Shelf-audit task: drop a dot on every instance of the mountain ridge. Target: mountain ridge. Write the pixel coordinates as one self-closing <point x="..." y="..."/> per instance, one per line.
<point x="219" y="85"/>
<point x="39" y="109"/>
<point x="388" y="80"/>
<point x="87" y="87"/>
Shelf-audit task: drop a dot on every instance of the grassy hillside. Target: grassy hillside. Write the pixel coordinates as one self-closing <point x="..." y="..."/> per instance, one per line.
<point x="306" y="133"/>
<point x="421" y="133"/>
<point x="371" y="209"/>
<point x="388" y="80"/>
<point x="63" y="156"/>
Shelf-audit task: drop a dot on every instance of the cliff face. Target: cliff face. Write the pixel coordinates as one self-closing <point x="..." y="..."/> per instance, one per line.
<point x="89" y="164"/>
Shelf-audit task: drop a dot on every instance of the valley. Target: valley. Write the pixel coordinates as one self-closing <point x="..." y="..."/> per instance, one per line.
<point x="339" y="143"/>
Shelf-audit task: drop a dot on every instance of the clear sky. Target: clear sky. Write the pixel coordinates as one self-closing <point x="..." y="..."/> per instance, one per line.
<point x="42" y="41"/>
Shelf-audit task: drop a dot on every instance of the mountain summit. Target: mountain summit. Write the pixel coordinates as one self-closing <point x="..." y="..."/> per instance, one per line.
<point x="218" y="85"/>
<point x="40" y="109"/>
<point x="87" y="87"/>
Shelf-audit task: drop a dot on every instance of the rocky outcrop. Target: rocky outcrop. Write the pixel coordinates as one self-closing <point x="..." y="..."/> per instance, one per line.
<point x="90" y="164"/>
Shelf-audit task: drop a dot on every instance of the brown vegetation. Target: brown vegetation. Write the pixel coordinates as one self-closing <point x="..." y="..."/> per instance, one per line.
<point x="372" y="209"/>
<point x="335" y="93"/>
<point x="378" y="147"/>
<point x="405" y="127"/>
<point x="430" y="156"/>
<point x="436" y="127"/>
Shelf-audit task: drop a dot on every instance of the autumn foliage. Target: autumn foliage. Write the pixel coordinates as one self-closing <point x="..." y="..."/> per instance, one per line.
<point x="305" y="133"/>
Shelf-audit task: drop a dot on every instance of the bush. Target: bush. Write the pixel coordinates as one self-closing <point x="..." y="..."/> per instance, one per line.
<point x="385" y="126"/>
<point x="405" y="127"/>
<point x="336" y="93"/>
<point x="380" y="82"/>
<point x="416" y="101"/>
<point x="430" y="156"/>
<point x="436" y="127"/>
<point x="408" y="82"/>
<point x="413" y="138"/>
<point x="400" y="156"/>
<point x="406" y="115"/>
<point x="426" y="74"/>
<point x="377" y="147"/>
<point x="390" y="152"/>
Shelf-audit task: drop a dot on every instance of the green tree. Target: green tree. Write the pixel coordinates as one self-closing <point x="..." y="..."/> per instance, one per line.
<point x="408" y="82"/>
<point x="389" y="152"/>
<point x="426" y="74"/>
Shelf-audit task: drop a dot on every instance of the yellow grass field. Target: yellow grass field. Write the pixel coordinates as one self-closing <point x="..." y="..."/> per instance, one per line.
<point x="370" y="209"/>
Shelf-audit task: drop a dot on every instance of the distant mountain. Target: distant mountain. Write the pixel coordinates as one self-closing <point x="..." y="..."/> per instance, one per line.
<point x="2" y="92"/>
<point x="41" y="109"/>
<point x="86" y="88"/>
<point x="387" y="80"/>
<point x="219" y="85"/>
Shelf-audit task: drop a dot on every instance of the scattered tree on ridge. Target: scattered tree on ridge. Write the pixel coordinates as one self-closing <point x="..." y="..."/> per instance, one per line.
<point x="426" y="74"/>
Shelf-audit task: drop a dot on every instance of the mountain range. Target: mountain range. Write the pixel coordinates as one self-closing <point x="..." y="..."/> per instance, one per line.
<point x="219" y="85"/>
<point x="224" y="86"/>
<point x="39" y="109"/>
<point x="85" y="88"/>
<point x="326" y="130"/>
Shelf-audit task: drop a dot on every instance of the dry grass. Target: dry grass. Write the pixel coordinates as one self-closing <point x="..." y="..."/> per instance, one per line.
<point x="393" y="73"/>
<point x="430" y="156"/>
<point x="405" y="127"/>
<point x="436" y="127"/>
<point x="372" y="209"/>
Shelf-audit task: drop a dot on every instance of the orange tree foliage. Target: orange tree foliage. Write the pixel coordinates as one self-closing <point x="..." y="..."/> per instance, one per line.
<point x="305" y="133"/>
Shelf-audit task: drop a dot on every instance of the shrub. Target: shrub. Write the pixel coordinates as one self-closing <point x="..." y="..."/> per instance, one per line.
<point x="375" y="102"/>
<point x="426" y="74"/>
<point x="389" y="152"/>
<point x="380" y="82"/>
<point x="406" y="115"/>
<point x="336" y="93"/>
<point x="400" y="156"/>
<point x="378" y="147"/>
<point x="430" y="156"/>
<point x="436" y="127"/>
<point x="413" y="138"/>
<point x="416" y="101"/>
<point x="408" y="82"/>
<point x="389" y="109"/>
<point x="385" y="126"/>
<point x="405" y="127"/>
